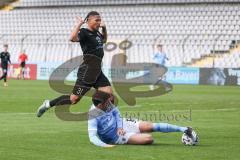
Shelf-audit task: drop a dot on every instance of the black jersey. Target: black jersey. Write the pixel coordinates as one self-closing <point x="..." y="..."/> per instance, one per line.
<point x="5" y="58"/>
<point x="91" y="42"/>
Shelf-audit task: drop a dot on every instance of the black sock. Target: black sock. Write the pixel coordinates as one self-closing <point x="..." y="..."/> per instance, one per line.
<point x="62" y="100"/>
<point x="4" y="77"/>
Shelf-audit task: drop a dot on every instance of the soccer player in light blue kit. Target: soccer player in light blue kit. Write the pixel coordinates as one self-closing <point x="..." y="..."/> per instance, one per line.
<point x="106" y="127"/>
<point x="160" y="58"/>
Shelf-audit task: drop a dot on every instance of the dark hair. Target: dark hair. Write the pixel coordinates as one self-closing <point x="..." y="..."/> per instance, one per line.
<point x="92" y="13"/>
<point x="100" y="97"/>
<point x="159" y="45"/>
<point x="5" y="45"/>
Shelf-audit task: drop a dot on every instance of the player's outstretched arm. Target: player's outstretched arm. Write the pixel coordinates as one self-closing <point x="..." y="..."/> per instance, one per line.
<point x="92" y="133"/>
<point x="76" y="29"/>
<point x="96" y="141"/>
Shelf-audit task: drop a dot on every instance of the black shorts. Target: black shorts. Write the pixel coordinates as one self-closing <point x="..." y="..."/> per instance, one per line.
<point x="22" y="64"/>
<point x="88" y="78"/>
<point x="4" y="67"/>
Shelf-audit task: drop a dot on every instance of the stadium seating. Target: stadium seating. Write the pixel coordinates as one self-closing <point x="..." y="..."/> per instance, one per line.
<point x="111" y="2"/>
<point x="186" y="32"/>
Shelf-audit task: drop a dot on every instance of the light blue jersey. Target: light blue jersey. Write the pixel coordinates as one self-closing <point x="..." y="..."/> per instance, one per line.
<point x="103" y="125"/>
<point x="160" y="58"/>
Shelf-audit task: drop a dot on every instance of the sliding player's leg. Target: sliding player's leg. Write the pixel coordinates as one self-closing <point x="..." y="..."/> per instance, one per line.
<point x="140" y="138"/>
<point x="159" y="127"/>
<point x="165" y="127"/>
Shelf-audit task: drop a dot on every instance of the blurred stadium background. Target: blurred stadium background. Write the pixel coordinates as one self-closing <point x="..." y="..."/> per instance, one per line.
<point x="200" y="37"/>
<point x="190" y="30"/>
<point x="194" y="33"/>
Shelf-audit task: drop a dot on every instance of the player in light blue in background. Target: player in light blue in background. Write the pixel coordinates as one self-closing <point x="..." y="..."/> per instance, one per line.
<point x="160" y="58"/>
<point x="106" y="127"/>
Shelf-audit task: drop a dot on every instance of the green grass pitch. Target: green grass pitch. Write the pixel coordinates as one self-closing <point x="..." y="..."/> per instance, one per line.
<point x="212" y="110"/>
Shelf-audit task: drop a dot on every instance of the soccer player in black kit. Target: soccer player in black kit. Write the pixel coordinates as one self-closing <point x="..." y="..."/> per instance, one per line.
<point x="89" y="72"/>
<point x="5" y="58"/>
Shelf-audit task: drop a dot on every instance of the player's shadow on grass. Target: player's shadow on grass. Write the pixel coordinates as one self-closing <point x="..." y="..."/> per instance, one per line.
<point x="179" y="144"/>
<point x="169" y="145"/>
<point x="156" y="144"/>
<point x="165" y="144"/>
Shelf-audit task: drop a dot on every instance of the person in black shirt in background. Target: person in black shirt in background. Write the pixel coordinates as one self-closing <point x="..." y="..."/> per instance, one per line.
<point x="89" y="72"/>
<point x="5" y="58"/>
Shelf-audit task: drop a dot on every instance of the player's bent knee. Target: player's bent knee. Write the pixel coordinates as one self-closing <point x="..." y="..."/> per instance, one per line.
<point x="74" y="99"/>
<point x="145" y="127"/>
<point x="140" y="139"/>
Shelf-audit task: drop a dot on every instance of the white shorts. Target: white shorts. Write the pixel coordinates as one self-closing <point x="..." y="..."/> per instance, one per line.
<point x="131" y="127"/>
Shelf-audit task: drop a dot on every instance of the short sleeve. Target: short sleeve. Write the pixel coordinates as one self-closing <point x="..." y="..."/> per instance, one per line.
<point x="82" y="34"/>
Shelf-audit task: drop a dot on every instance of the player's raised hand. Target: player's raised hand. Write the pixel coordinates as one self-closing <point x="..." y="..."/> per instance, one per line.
<point x="79" y="20"/>
<point x="102" y="24"/>
<point x="74" y="34"/>
<point x="120" y="131"/>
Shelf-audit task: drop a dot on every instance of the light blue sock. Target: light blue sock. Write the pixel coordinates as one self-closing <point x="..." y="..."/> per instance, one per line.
<point x="165" y="127"/>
